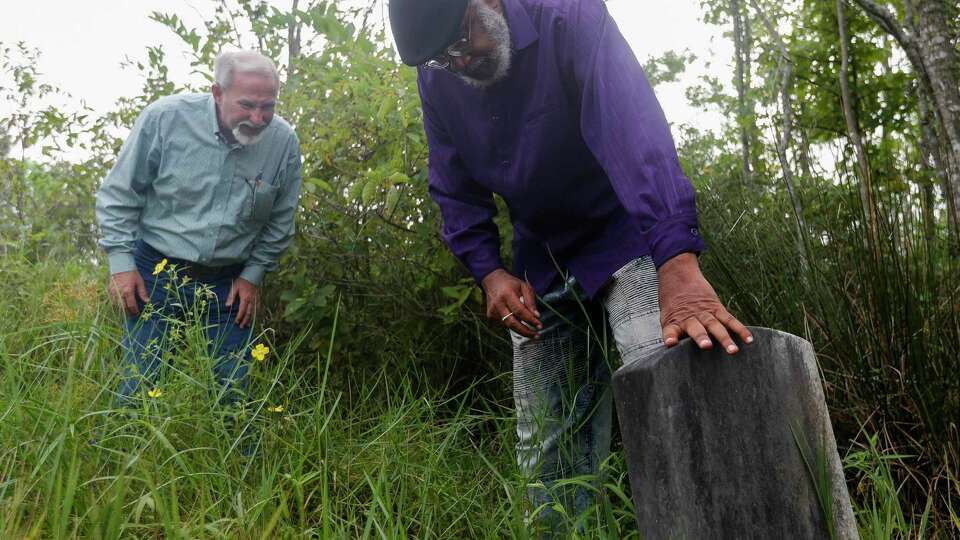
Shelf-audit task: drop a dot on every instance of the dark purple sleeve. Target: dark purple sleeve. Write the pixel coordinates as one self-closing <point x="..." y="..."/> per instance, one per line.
<point x="625" y="128"/>
<point x="466" y="207"/>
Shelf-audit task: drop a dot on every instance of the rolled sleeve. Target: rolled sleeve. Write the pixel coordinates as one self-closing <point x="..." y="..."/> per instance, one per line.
<point x="624" y="126"/>
<point x="671" y="237"/>
<point x="254" y="273"/>
<point x="121" y="261"/>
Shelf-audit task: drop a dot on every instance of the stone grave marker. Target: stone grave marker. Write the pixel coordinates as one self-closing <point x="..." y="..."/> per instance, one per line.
<point x="732" y="447"/>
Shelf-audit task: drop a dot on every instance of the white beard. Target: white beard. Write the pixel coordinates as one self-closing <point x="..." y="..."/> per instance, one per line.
<point x="247" y="140"/>
<point x="496" y="26"/>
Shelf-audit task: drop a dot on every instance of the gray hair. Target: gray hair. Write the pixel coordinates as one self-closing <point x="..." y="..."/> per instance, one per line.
<point x="229" y="63"/>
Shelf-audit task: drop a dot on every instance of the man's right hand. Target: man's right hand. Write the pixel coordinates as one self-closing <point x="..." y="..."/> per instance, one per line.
<point x="512" y="302"/>
<point x="125" y="287"/>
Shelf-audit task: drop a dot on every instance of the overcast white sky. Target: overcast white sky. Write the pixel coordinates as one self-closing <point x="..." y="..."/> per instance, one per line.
<point x="83" y="43"/>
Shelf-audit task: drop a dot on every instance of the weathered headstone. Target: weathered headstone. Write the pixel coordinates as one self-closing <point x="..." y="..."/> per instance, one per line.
<point x="734" y="447"/>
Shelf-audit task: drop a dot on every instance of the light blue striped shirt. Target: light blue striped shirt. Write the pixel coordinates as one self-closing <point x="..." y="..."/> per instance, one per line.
<point x="182" y="188"/>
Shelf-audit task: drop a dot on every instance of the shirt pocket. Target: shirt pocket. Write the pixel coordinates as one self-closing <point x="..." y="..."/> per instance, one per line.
<point x="261" y="204"/>
<point x="256" y="202"/>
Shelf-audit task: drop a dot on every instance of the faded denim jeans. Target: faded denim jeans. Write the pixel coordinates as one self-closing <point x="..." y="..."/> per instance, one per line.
<point x="146" y="336"/>
<point x="562" y="385"/>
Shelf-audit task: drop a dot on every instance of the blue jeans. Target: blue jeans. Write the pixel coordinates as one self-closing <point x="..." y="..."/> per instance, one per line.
<point x="149" y="335"/>
<point x="562" y="384"/>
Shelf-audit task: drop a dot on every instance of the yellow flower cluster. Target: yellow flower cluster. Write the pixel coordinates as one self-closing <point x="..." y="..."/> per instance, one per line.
<point x="260" y="352"/>
<point x="159" y="267"/>
<point x="155" y="393"/>
<point x="277" y="409"/>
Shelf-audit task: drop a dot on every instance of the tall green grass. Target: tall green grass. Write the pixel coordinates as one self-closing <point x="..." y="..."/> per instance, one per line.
<point x="349" y="456"/>
<point x="374" y="456"/>
<point x="884" y="320"/>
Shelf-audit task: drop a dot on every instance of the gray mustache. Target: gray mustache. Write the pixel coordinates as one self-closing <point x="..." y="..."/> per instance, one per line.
<point x="251" y="125"/>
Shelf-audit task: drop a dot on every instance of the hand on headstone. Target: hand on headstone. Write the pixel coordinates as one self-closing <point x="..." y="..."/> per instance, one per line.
<point x="689" y="306"/>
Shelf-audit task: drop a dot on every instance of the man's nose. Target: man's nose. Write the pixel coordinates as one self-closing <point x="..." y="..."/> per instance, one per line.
<point x="460" y="63"/>
<point x="256" y="117"/>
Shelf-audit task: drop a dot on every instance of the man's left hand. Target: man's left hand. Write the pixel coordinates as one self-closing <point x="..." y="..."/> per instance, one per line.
<point x="689" y="306"/>
<point x="249" y="296"/>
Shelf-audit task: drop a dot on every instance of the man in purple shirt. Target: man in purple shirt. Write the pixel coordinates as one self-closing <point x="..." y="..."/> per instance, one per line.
<point x="543" y="103"/>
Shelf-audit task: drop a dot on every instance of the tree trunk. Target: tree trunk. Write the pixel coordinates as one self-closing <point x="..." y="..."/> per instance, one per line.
<point x="741" y="83"/>
<point x="785" y="68"/>
<point x="853" y="132"/>
<point x="930" y="48"/>
<point x="931" y="156"/>
<point x="293" y="39"/>
<point x="806" y="168"/>
<point x="940" y="60"/>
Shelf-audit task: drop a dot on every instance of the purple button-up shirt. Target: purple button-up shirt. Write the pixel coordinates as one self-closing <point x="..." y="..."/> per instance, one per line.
<point x="574" y="141"/>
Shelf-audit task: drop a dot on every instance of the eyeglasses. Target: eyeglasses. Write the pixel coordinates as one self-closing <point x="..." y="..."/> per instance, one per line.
<point x="460" y="48"/>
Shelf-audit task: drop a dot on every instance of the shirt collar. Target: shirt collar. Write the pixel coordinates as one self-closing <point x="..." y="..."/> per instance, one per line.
<point x="522" y="32"/>
<point x="214" y="123"/>
<point x="212" y="115"/>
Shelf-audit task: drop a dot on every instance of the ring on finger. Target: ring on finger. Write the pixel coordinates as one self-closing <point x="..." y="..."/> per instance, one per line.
<point x="507" y="316"/>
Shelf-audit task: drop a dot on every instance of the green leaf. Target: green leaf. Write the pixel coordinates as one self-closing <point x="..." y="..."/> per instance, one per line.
<point x="393" y="198"/>
<point x="322" y="184"/>
<point x="369" y="191"/>
<point x="398" y="178"/>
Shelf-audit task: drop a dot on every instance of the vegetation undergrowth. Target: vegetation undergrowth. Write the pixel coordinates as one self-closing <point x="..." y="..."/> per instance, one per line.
<point x="310" y="453"/>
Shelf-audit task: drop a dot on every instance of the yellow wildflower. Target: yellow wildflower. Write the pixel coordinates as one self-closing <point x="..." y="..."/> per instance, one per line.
<point x="260" y="352"/>
<point x="159" y="267"/>
<point x="155" y="393"/>
<point x="277" y="409"/>
<point x="186" y="279"/>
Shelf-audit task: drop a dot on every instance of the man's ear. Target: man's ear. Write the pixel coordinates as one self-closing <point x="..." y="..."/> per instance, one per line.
<point x="217" y="93"/>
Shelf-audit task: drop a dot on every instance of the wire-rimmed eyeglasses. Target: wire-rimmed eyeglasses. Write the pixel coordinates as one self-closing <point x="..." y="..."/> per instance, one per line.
<point x="460" y="48"/>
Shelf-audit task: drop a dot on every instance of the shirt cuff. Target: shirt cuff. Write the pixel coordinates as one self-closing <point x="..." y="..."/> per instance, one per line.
<point x="672" y="237"/>
<point x="121" y="261"/>
<point x="253" y="274"/>
<point x="480" y="269"/>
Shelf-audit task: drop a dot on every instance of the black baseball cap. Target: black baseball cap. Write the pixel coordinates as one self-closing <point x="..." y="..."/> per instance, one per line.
<point x="422" y="29"/>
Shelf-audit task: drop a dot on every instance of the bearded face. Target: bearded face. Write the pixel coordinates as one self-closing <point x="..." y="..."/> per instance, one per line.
<point x="246" y="107"/>
<point x="489" y="61"/>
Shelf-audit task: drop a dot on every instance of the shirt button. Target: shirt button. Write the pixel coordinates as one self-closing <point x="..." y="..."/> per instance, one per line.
<point x="495" y="118"/>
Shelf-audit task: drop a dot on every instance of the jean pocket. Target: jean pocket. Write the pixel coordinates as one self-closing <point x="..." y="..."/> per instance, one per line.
<point x="145" y="256"/>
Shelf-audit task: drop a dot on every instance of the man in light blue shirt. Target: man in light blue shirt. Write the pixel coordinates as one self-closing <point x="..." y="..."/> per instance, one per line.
<point x="207" y="184"/>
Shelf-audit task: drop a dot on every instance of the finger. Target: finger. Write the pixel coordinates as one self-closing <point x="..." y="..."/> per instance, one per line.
<point x="671" y="334"/>
<point x="496" y="308"/>
<point x="697" y="333"/>
<point x="232" y="294"/>
<point x="247" y="302"/>
<point x="529" y="299"/>
<point x="736" y="326"/>
<point x="513" y="323"/>
<point x="115" y="296"/>
<point x="241" y="310"/>
<point x="130" y="303"/>
<point x="520" y="311"/>
<point x="142" y="289"/>
<point x="718" y="331"/>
